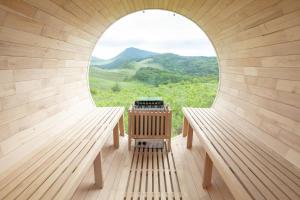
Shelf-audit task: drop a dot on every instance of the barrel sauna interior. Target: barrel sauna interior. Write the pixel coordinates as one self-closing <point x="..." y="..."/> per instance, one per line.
<point x="45" y="47"/>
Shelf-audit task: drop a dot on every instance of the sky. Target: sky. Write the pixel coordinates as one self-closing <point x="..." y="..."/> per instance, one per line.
<point x="154" y="30"/>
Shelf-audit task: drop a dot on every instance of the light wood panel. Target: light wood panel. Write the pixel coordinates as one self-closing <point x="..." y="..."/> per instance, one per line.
<point x="45" y="47"/>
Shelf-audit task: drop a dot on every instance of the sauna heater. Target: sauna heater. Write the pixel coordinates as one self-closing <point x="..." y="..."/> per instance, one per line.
<point x="150" y="123"/>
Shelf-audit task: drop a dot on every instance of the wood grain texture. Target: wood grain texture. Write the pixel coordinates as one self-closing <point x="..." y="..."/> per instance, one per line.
<point x="45" y="48"/>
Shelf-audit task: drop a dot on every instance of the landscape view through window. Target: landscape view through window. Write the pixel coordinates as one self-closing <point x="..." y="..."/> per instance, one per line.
<point x="154" y="53"/>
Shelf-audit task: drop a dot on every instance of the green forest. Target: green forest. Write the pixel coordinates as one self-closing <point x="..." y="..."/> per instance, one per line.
<point x="179" y="80"/>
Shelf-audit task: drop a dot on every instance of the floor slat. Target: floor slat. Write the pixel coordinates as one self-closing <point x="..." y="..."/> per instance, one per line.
<point x="153" y="175"/>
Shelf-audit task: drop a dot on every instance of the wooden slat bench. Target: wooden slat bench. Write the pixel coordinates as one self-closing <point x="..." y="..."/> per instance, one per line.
<point x="56" y="170"/>
<point x="249" y="168"/>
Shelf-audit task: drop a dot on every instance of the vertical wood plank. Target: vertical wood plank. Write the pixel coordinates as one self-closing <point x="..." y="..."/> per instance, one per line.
<point x="150" y="188"/>
<point x="145" y="125"/>
<point x="137" y="122"/>
<point x="190" y="137"/>
<point x="162" y="124"/>
<point x="207" y="173"/>
<point x="121" y="126"/>
<point x="157" y="124"/>
<point x="116" y="136"/>
<point x="98" y="171"/>
<point x="130" y="122"/>
<point x="184" y="127"/>
<point x="141" y="124"/>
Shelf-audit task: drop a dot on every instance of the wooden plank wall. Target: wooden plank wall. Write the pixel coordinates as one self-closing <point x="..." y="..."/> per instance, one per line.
<point x="45" y="47"/>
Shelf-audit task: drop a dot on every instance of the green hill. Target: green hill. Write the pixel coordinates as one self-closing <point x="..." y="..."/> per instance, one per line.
<point x="193" y="65"/>
<point x="157" y="77"/>
<point x="135" y="59"/>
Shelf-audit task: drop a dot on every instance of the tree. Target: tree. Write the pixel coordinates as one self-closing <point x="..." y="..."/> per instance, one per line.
<point x="94" y="91"/>
<point x="116" y="87"/>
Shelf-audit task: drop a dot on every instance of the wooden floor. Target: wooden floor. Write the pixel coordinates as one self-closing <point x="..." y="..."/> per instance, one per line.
<point x="153" y="175"/>
<point x="118" y="163"/>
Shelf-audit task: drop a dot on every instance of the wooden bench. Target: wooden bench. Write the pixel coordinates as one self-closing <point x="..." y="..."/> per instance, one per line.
<point x="56" y="169"/>
<point x="249" y="168"/>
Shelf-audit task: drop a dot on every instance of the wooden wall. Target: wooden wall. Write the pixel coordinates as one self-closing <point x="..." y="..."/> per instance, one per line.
<point x="45" y="47"/>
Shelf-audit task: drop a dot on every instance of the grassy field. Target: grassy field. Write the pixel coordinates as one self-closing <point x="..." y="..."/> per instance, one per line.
<point x="117" y="88"/>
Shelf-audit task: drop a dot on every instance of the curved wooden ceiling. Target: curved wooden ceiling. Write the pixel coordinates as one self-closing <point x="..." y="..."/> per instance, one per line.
<point x="45" y="47"/>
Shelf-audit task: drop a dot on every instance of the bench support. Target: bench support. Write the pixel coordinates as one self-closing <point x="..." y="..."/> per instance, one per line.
<point x="121" y="125"/>
<point x="129" y="143"/>
<point x="208" y="164"/>
<point x="98" y="171"/>
<point x="168" y="145"/>
<point x="189" y="137"/>
<point x="185" y="127"/>
<point x="116" y="136"/>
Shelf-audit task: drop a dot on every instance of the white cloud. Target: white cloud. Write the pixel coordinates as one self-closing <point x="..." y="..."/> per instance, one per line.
<point x="154" y="30"/>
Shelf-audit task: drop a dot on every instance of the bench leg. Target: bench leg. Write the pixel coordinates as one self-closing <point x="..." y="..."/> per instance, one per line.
<point x="129" y="130"/>
<point x="189" y="137"/>
<point x="168" y="145"/>
<point x="185" y="127"/>
<point x="116" y="136"/>
<point x="98" y="171"/>
<point x="208" y="164"/>
<point x="129" y="143"/>
<point x="121" y="126"/>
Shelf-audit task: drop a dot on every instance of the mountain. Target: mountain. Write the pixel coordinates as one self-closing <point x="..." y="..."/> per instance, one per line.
<point x="124" y="58"/>
<point x="134" y="53"/>
<point x="161" y="64"/>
